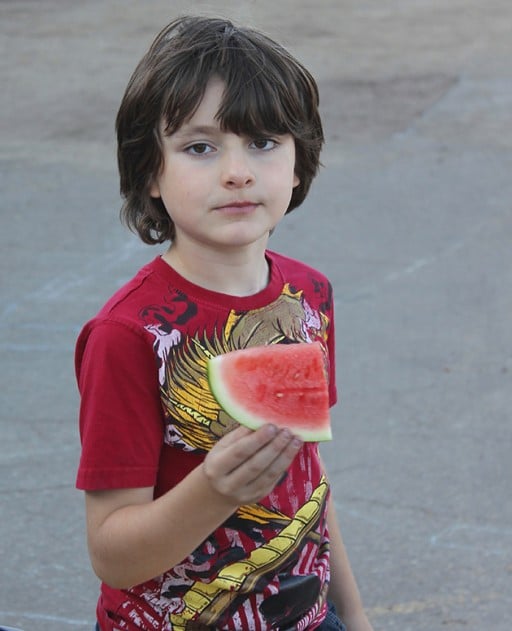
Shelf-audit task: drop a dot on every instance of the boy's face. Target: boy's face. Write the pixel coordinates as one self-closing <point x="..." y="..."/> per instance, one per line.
<point x="223" y="190"/>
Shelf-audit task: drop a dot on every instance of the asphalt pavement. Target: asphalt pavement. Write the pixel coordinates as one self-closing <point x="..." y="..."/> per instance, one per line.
<point x="410" y="218"/>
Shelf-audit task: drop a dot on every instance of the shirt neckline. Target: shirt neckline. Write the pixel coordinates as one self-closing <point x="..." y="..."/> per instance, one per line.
<point x="208" y="296"/>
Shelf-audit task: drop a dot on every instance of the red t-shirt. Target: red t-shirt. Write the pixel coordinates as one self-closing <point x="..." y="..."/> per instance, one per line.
<point x="147" y="418"/>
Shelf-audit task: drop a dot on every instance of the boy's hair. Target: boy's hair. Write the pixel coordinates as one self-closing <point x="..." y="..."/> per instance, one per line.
<point x="267" y="92"/>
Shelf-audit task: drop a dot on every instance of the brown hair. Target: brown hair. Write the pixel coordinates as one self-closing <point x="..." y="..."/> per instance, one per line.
<point x="267" y="91"/>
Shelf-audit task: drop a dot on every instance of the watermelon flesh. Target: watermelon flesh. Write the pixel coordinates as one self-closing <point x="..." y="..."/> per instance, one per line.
<point x="283" y="384"/>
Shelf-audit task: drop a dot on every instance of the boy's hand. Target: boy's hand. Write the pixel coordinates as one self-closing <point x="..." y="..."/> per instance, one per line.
<point x="245" y="465"/>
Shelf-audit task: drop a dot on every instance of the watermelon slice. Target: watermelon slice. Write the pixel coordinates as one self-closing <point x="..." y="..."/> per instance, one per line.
<point x="283" y="384"/>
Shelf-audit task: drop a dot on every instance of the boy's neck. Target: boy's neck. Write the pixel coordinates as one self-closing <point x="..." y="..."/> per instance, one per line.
<point x="238" y="273"/>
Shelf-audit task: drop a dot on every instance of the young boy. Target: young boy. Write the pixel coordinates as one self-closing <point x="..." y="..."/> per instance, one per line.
<point x="195" y="522"/>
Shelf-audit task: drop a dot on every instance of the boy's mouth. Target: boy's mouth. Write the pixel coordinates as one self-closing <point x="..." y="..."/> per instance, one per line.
<point x="237" y="206"/>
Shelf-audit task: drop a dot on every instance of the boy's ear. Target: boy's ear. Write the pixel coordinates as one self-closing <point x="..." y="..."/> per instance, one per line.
<point x="296" y="180"/>
<point x="154" y="189"/>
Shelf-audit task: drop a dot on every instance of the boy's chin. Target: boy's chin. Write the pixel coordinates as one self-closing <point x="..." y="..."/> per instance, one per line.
<point x="245" y="238"/>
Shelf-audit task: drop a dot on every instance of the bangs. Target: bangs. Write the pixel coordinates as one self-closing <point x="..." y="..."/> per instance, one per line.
<point x="265" y="87"/>
<point x="252" y="105"/>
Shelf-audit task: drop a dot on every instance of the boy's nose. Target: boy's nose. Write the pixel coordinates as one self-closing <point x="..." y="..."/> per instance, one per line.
<point x="236" y="172"/>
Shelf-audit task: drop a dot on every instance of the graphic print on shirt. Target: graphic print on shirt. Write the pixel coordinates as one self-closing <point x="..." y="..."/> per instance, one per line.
<point x="260" y="546"/>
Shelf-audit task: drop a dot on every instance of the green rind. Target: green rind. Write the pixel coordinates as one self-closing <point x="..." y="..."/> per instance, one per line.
<point x="243" y="416"/>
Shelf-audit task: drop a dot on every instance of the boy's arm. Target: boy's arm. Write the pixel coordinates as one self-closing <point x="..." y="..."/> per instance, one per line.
<point x="343" y="590"/>
<point x="133" y="538"/>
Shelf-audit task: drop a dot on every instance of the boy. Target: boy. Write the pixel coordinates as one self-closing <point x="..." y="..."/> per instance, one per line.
<point x="188" y="514"/>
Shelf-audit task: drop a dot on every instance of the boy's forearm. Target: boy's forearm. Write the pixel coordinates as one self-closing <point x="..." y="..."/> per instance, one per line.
<point x="133" y="538"/>
<point x="139" y="541"/>
<point x="343" y="590"/>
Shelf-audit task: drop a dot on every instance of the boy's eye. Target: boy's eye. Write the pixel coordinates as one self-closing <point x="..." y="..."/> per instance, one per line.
<point x="264" y="144"/>
<point x="199" y="149"/>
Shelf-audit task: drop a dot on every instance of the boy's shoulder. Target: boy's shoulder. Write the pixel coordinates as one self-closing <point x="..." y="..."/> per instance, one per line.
<point x="125" y="305"/>
<point x="134" y="291"/>
<point x="122" y="315"/>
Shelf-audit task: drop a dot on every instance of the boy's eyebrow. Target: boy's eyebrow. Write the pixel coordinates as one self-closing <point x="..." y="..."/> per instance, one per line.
<point x="186" y="131"/>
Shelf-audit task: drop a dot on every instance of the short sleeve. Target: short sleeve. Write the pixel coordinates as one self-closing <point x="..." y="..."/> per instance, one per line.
<point x="121" y="419"/>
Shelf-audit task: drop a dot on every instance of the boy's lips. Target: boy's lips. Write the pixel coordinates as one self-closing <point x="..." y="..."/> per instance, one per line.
<point x="237" y="206"/>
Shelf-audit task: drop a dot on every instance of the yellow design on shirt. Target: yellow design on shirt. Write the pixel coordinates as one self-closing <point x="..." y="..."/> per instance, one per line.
<point x="205" y="602"/>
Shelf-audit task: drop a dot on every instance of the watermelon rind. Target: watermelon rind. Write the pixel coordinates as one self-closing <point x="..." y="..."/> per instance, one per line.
<point x="308" y="430"/>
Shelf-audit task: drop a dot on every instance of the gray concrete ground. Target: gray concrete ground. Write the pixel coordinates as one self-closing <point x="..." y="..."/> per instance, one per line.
<point x="411" y="218"/>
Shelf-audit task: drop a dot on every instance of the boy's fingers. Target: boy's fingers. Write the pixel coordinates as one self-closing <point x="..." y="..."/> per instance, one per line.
<point x="242" y="443"/>
<point x="267" y="474"/>
<point x="272" y="465"/>
<point x="232" y="437"/>
<point x="269" y="462"/>
<point x="244" y="455"/>
<point x="232" y="450"/>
